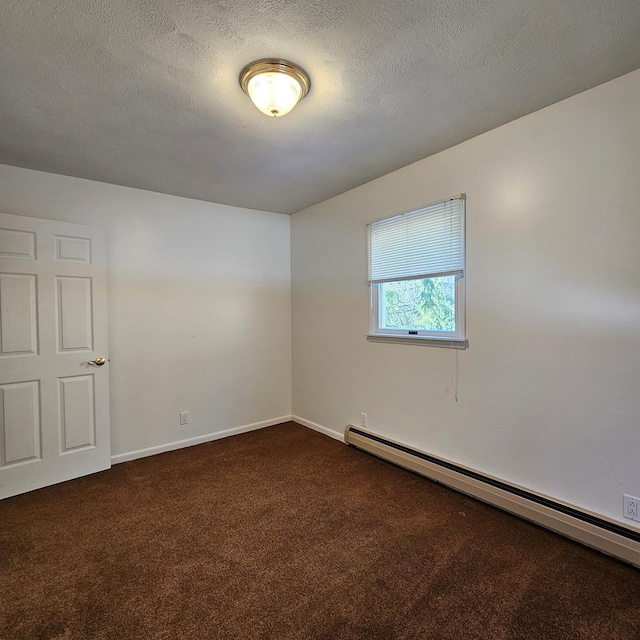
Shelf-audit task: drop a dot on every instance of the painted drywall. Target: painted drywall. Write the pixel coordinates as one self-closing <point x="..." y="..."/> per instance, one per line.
<point x="549" y="388"/>
<point x="145" y="93"/>
<point x="199" y="305"/>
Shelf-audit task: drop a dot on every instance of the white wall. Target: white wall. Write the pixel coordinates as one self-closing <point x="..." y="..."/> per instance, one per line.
<point x="199" y="305"/>
<point x="550" y="386"/>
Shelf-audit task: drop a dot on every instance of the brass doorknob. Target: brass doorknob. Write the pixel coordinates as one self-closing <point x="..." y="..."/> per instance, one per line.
<point x="98" y="362"/>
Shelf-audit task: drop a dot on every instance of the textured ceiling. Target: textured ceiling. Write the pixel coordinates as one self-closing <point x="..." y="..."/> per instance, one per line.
<point x="145" y="93"/>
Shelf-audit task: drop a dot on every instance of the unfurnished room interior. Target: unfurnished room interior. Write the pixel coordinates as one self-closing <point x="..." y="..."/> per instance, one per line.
<point x="319" y="320"/>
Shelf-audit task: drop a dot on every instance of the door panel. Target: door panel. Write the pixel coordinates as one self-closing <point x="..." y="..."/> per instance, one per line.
<point x="54" y="404"/>
<point x="76" y="402"/>
<point x="17" y="244"/>
<point x="70" y="249"/>
<point x="18" y="318"/>
<point x="20" y="422"/>
<point x="75" y="321"/>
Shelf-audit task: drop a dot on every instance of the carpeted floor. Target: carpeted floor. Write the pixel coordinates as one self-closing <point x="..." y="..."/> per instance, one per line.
<point x="286" y="534"/>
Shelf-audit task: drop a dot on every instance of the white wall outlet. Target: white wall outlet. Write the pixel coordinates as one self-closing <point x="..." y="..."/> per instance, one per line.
<point x="631" y="508"/>
<point x="184" y="417"/>
<point x="363" y="419"/>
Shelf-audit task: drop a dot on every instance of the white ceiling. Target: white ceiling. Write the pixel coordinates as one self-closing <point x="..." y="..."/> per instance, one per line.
<point x="145" y="93"/>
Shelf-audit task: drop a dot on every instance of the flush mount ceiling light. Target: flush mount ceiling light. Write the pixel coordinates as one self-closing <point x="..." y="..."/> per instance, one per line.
<point x="275" y="86"/>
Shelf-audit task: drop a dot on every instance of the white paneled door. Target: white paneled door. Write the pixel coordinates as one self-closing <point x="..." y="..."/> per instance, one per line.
<point x="54" y="379"/>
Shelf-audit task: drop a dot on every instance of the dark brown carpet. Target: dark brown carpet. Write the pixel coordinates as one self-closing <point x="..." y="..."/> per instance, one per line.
<point x="286" y="534"/>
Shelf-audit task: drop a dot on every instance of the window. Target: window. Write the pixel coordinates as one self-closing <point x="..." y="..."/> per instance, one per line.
<point x="416" y="275"/>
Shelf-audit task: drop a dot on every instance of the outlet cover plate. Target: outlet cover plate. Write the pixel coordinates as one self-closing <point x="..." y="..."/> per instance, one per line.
<point x="631" y="508"/>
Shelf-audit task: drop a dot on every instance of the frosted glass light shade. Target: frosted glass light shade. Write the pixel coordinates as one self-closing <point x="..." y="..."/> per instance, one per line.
<point x="274" y="86"/>
<point x="275" y="94"/>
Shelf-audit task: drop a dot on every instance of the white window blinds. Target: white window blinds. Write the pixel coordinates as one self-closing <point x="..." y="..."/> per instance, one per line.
<point x="424" y="243"/>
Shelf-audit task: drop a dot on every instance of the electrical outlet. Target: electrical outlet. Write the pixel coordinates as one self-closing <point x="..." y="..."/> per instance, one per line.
<point x="184" y="417"/>
<point x="363" y="419"/>
<point x="631" y="508"/>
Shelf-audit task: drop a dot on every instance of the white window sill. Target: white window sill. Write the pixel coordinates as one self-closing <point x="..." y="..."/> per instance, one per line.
<point x="425" y="341"/>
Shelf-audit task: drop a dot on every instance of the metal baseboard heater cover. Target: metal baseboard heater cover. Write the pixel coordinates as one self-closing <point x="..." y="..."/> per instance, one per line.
<point x="588" y="528"/>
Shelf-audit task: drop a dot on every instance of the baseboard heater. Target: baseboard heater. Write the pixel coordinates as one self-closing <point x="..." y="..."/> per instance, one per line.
<point x="588" y="528"/>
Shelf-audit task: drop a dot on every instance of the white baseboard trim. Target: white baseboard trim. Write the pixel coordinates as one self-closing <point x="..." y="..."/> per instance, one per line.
<point x="336" y="435"/>
<point x="189" y="442"/>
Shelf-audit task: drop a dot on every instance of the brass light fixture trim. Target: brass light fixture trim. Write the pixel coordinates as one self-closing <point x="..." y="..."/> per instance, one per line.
<point x="271" y="66"/>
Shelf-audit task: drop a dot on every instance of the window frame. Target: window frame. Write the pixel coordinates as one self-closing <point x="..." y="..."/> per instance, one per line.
<point x="454" y="339"/>
<point x="376" y="310"/>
